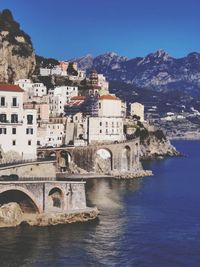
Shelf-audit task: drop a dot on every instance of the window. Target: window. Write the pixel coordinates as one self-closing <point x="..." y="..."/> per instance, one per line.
<point x="29" y="142"/>
<point x="29" y="131"/>
<point x="14" y="118"/>
<point x="3" y="103"/>
<point x="29" y="119"/>
<point x="2" y="130"/>
<point x="106" y="124"/>
<point x="14" y="102"/>
<point x="14" y="142"/>
<point x="100" y="131"/>
<point x="100" y="123"/>
<point x="99" y="105"/>
<point x="14" y="130"/>
<point x="3" y="118"/>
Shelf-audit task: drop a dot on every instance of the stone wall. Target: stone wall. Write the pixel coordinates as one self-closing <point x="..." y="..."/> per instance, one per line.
<point x="44" y="197"/>
<point x="41" y="169"/>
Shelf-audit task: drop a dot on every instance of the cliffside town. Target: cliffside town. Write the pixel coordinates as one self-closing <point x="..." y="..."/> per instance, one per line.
<point x="58" y="104"/>
<point x="59" y="121"/>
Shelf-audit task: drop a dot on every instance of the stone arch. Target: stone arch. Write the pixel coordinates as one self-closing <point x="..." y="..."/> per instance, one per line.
<point x="104" y="160"/>
<point x="40" y="154"/>
<point x="22" y="196"/>
<point x="55" y="199"/>
<point x="52" y="154"/>
<point x="126" y="159"/>
<point x="65" y="158"/>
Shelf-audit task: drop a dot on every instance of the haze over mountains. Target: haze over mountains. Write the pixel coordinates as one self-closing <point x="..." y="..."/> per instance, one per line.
<point x="158" y="71"/>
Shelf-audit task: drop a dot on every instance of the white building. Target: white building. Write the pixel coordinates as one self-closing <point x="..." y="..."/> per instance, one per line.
<point x="103" y="83"/>
<point x="108" y="125"/>
<point x="109" y="106"/>
<point x="18" y="128"/>
<point x="39" y="89"/>
<point x="104" y="129"/>
<point x="138" y="110"/>
<point x="51" y="133"/>
<point x="59" y="96"/>
<point x="31" y="89"/>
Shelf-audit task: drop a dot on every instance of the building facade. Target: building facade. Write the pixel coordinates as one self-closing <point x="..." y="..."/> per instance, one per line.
<point x="18" y="126"/>
<point x="138" y="110"/>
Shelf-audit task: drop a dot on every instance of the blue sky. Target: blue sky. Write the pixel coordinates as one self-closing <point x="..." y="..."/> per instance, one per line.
<point x="70" y="28"/>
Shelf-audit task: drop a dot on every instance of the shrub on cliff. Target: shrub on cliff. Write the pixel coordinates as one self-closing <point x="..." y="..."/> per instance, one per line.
<point x="159" y="135"/>
<point x="7" y="23"/>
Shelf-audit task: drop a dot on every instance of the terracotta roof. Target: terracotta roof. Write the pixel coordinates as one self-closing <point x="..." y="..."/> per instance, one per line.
<point x="10" y="88"/>
<point x="109" y="97"/>
<point x="80" y="97"/>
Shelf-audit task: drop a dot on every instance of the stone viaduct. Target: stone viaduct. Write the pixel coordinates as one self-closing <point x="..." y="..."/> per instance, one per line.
<point x="123" y="157"/>
<point x="44" y="196"/>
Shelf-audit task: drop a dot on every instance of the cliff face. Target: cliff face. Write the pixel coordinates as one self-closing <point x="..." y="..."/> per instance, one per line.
<point x="153" y="142"/>
<point x="17" y="57"/>
<point x="154" y="148"/>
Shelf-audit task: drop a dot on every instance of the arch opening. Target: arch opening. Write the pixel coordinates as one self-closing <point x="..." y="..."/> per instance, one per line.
<point x="64" y="160"/>
<point x="103" y="161"/>
<point x="40" y="155"/>
<point x="26" y="204"/>
<point x="55" y="199"/>
<point x="52" y="155"/>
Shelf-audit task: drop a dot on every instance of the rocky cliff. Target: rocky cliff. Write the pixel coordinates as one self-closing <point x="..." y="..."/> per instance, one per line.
<point x="17" y="57"/>
<point x="153" y="142"/>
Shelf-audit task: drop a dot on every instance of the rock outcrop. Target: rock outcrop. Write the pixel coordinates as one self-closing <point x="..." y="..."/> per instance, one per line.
<point x="153" y="142"/>
<point x="10" y="214"/>
<point x="17" y="57"/>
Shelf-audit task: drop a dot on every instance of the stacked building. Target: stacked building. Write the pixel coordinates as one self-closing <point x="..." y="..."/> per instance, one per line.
<point x="32" y="116"/>
<point x="18" y="125"/>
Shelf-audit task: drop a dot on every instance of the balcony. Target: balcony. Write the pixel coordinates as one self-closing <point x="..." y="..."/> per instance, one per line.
<point x="11" y="122"/>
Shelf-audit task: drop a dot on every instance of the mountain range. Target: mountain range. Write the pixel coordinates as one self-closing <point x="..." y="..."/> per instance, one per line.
<point x="157" y="71"/>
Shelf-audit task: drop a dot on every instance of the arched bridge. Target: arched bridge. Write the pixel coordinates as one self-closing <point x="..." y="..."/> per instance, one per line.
<point x="102" y="158"/>
<point x="42" y="197"/>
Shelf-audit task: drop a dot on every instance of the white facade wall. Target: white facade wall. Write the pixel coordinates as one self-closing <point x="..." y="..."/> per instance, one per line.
<point x="50" y="134"/>
<point x="39" y="89"/>
<point x="138" y="110"/>
<point x="102" y="82"/>
<point x="31" y="89"/>
<point x="59" y="97"/>
<point x="110" y="108"/>
<point x="104" y="129"/>
<point x="14" y="135"/>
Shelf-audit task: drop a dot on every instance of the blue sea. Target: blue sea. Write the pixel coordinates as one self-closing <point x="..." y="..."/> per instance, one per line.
<point x="148" y="222"/>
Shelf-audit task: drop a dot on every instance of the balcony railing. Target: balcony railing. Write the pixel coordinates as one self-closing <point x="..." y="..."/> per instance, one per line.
<point x="11" y="122"/>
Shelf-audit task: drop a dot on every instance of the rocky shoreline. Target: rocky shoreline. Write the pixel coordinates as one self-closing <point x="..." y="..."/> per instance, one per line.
<point x="11" y="215"/>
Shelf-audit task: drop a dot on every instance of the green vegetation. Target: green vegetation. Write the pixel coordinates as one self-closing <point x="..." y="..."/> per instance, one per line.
<point x="159" y="135"/>
<point x="7" y="23"/>
<point x="71" y="70"/>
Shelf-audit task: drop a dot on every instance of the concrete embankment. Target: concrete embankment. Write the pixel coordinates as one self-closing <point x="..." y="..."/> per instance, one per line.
<point x="11" y="215"/>
<point x="112" y="175"/>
